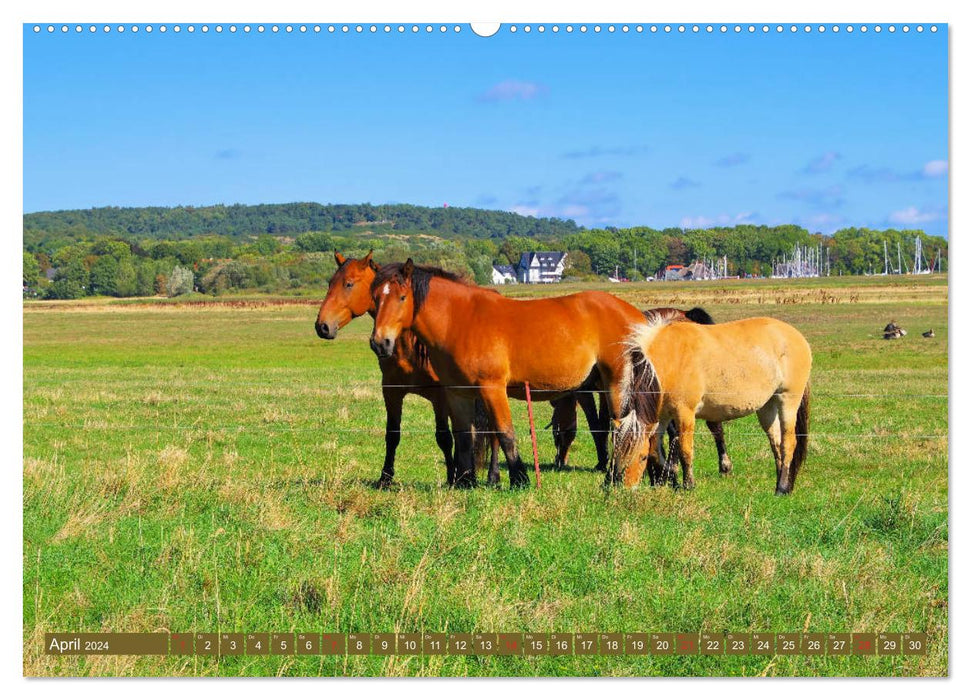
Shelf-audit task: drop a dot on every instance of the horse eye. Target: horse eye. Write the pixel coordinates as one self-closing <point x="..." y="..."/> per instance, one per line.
<point x="349" y="285"/>
<point x="402" y="297"/>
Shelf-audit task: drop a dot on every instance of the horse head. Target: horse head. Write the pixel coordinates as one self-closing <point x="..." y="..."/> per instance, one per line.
<point x="348" y="294"/>
<point x="392" y="295"/>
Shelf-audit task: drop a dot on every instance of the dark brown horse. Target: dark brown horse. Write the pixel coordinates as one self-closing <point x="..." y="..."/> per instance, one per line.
<point x="484" y="345"/>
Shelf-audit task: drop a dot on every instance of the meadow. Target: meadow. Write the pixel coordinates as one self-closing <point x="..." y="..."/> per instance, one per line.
<point x="208" y="467"/>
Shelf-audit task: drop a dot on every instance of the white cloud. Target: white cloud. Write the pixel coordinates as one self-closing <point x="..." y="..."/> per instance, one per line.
<point x="744" y="217"/>
<point x="935" y="168"/>
<point x="913" y="215"/>
<point x="525" y="211"/>
<point x="575" y="211"/>
<point x="513" y="90"/>
<point x="823" y="163"/>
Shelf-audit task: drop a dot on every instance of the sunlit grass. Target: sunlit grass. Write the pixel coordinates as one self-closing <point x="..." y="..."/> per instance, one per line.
<point x="209" y="469"/>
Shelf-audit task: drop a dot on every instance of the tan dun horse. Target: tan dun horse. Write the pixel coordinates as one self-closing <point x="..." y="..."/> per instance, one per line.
<point x="482" y="344"/>
<point x="565" y="416"/>
<point x="722" y="372"/>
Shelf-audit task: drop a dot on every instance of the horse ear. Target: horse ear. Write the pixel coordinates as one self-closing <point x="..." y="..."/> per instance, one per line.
<point x="408" y="268"/>
<point x="366" y="260"/>
<point x="374" y="265"/>
<point x="339" y="258"/>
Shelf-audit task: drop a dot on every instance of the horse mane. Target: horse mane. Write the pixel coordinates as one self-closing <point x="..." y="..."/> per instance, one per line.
<point x="667" y="314"/>
<point x="421" y="277"/>
<point x="699" y="315"/>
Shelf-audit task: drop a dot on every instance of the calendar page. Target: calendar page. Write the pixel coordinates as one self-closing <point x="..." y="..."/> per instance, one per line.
<point x="544" y="349"/>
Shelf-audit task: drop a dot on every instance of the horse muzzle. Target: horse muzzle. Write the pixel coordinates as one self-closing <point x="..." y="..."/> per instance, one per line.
<point x="382" y="348"/>
<point x="327" y="331"/>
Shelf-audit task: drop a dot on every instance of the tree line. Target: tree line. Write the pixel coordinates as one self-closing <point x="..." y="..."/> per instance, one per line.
<point x="53" y="229"/>
<point x="71" y="263"/>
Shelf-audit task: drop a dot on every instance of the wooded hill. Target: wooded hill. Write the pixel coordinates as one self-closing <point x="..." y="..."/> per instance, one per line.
<point x="49" y="230"/>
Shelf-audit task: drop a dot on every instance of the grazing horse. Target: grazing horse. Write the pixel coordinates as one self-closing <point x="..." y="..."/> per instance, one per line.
<point x="405" y="371"/>
<point x="565" y="417"/>
<point x="483" y="344"/>
<point x="408" y="371"/>
<point x="684" y="370"/>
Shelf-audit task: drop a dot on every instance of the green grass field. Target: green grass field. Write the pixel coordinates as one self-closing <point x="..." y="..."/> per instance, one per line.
<point x="208" y="468"/>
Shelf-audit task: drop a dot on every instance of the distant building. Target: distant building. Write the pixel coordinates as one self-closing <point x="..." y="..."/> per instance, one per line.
<point x="503" y="274"/>
<point x="674" y="272"/>
<point x="541" y="267"/>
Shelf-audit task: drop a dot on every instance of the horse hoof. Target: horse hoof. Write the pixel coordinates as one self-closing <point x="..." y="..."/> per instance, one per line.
<point x="782" y="492"/>
<point x="465" y="482"/>
<point x="725" y="468"/>
<point x="384" y="483"/>
<point x="519" y="481"/>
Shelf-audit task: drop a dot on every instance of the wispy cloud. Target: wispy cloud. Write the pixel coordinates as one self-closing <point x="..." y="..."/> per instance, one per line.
<point x="594" y="205"/>
<point x="598" y="151"/>
<point x="508" y="90"/>
<point x="732" y="159"/>
<point x="911" y="216"/>
<point x="869" y="174"/>
<point x="227" y="154"/>
<point x="601" y="176"/>
<point x="935" y="168"/>
<point x="525" y="210"/>
<point x="822" y="198"/>
<point x="825" y="222"/>
<point x="822" y="164"/>
<point x="691" y="222"/>
<point x="684" y="183"/>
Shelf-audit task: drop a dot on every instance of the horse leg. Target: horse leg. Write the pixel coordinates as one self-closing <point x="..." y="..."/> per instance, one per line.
<point x="599" y="425"/>
<point x="482" y="437"/>
<point x="724" y="461"/>
<point x="614" y="401"/>
<point x="393" y="399"/>
<point x="657" y="470"/>
<point x="443" y="436"/>
<point x="770" y="421"/>
<point x="686" y="446"/>
<point x="462" y="410"/>
<point x="494" y="459"/>
<point x="674" y="454"/>
<point x="497" y="405"/>
<point x="787" y="415"/>
<point x="564" y="427"/>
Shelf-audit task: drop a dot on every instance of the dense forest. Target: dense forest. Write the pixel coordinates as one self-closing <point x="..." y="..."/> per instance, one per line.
<point x="274" y="248"/>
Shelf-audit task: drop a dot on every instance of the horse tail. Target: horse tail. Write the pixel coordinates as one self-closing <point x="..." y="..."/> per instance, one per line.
<point x="802" y="437"/>
<point x="699" y="315"/>
<point x="640" y="398"/>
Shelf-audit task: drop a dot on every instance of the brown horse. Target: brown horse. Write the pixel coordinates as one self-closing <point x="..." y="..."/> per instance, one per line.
<point x="684" y="370"/>
<point x="405" y="371"/>
<point x="408" y="371"/>
<point x="482" y="344"/>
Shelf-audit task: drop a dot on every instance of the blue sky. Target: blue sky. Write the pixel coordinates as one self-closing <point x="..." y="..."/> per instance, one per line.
<point x="824" y="130"/>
